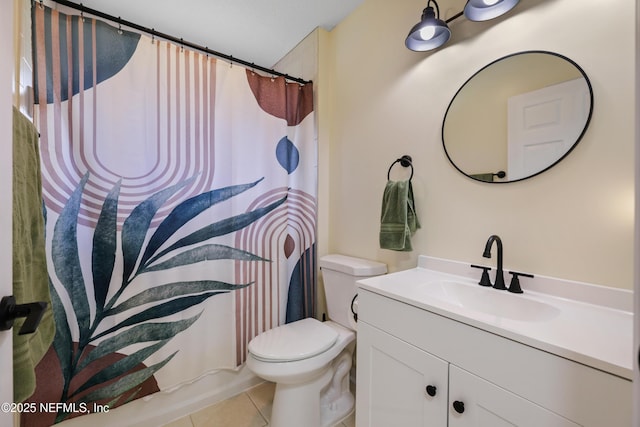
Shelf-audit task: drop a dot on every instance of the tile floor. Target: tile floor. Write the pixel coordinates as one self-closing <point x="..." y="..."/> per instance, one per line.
<point x="249" y="409"/>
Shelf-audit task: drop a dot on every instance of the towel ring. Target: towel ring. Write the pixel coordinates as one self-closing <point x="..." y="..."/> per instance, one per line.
<point x="404" y="161"/>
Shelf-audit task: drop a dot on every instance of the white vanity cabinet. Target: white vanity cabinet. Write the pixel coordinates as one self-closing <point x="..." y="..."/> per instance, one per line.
<point x="393" y="377"/>
<point x="493" y="381"/>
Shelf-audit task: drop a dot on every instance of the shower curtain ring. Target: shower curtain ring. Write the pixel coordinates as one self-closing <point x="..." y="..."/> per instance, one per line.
<point x="119" y="26"/>
<point x="41" y="4"/>
<point x="81" y="12"/>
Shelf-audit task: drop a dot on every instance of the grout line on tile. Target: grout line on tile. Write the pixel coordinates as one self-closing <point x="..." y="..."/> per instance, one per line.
<point x="257" y="398"/>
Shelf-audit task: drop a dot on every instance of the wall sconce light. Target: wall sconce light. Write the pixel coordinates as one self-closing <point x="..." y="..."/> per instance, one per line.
<point x="483" y="10"/>
<point x="432" y="32"/>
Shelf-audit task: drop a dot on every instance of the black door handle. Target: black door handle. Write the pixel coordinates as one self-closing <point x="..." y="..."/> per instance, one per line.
<point x="10" y="311"/>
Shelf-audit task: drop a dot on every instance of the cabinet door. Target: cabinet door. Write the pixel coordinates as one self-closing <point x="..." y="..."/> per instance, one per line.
<point x="393" y="377"/>
<point x="487" y="405"/>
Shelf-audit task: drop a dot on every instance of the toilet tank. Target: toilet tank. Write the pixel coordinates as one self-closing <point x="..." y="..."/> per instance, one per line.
<point x="340" y="274"/>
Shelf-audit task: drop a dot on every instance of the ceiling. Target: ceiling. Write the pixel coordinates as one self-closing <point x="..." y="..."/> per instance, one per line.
<point x="257" y="31"/>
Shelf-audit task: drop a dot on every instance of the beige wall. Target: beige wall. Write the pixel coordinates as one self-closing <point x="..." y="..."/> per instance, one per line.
<point x="574" y="221"/>
<point x="23" y="79"/>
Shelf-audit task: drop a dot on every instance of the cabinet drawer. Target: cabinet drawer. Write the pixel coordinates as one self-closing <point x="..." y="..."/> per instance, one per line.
<point x="580" y="393"/>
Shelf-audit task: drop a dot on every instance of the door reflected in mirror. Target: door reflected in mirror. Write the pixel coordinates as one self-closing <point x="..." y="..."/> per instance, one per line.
<point x="517" y="117"/>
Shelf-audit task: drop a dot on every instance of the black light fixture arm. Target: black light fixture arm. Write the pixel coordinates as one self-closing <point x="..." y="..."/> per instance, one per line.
<point x="121" y="22"/>
<point x="437" y="7"/>
<point x="454" y="17"/>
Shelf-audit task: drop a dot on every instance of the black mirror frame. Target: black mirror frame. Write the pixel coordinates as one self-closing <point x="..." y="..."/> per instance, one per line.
<point x="584" y="130"/>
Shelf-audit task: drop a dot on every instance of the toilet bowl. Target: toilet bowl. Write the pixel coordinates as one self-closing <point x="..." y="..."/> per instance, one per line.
<point x="300" y="383"/>
<point x="309" y="360"/>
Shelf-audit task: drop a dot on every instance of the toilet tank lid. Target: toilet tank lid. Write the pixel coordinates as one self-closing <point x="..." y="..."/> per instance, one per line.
<point x="351" y="265"/>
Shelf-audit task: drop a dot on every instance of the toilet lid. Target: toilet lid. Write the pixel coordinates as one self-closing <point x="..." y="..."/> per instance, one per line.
<point x="294" y="341"/>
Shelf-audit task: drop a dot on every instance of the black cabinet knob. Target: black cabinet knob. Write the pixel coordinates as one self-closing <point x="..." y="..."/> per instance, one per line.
<point x="458" y="406"/>
<point x="431" y="390"/>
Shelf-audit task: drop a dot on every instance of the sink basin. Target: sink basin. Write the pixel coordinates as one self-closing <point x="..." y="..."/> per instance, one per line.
<point x="490" y="301"/>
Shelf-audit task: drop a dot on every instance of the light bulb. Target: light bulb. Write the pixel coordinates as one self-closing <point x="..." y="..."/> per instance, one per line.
<point x="427" y="33"/>
<point x="490" y="2"/>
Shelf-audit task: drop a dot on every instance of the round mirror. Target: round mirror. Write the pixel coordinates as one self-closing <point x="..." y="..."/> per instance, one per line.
<point x="517" y="117"/>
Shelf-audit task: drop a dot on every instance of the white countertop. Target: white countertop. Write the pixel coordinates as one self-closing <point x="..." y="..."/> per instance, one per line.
<point x="588" y="324"/>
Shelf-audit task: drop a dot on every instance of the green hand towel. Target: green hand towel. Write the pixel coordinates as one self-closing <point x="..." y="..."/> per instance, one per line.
<point x="487" y="177"/>
<point x="30" y="278"/>
<point x="398" y="220"/>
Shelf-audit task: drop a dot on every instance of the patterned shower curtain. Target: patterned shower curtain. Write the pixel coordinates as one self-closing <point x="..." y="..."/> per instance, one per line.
<point x="180" y="200"/>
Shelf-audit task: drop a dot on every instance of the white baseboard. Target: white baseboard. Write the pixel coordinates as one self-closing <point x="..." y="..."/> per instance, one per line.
<point x="163" y="407"/>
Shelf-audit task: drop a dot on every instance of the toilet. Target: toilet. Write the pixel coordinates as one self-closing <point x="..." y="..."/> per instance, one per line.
<point x="309" y="360"/>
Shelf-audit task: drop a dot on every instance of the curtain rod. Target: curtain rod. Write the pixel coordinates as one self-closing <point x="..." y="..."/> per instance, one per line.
<point x="176" y="40"/>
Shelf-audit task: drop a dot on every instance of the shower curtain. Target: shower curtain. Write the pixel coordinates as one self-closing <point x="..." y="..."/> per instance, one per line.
<point x="180" y="200"/>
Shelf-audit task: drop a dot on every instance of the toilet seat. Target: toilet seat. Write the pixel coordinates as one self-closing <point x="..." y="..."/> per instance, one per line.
<point x="294" y="341"/>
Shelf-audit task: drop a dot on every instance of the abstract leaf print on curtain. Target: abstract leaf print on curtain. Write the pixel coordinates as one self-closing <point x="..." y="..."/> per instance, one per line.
<point x="180" y="196"/>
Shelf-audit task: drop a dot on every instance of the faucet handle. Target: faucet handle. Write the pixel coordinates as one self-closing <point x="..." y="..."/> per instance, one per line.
<point x="514" y="287"/>
<point x="484" y="279"/>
